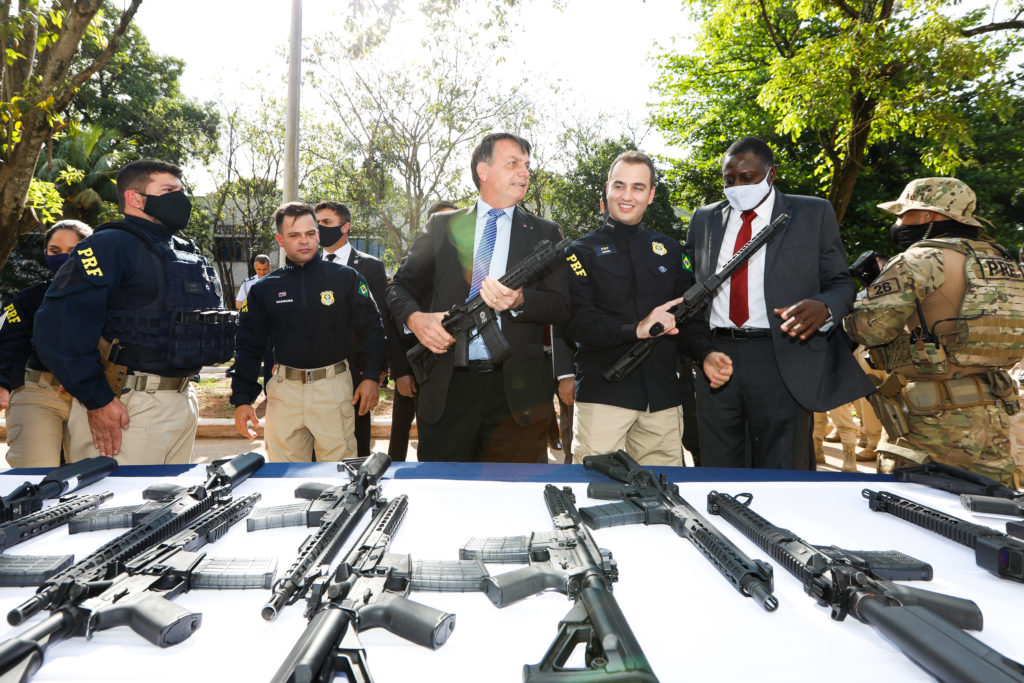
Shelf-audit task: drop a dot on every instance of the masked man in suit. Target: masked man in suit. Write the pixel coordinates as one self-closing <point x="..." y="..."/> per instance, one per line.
<point x="777" y="318"/>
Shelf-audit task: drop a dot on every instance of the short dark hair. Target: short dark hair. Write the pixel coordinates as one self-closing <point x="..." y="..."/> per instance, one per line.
<point x="135" y="176"/>
<point x="485" y="151"/>
<point x="758" y="146"/>
<point x="442" y="205"/>
<point x="337" y="207"/>
<point x="261" y="258"/>
<point x="633" y="156"/>
<point x="293" y="209"/>
<point x="78" y="227"/>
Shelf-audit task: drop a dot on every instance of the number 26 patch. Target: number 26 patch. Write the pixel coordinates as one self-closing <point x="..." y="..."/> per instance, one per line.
<point x="883" y="288"/>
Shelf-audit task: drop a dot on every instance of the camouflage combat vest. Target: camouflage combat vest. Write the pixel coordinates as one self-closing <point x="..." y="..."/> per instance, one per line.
<point x="990" y="331"/>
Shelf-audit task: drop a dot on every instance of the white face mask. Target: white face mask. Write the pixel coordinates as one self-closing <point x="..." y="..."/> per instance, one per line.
<point x="746" y="197"/>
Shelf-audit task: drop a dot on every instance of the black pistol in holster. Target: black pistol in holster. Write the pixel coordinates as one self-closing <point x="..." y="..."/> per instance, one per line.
<point x="115" y="373"/>
<point x="887" y="404"/>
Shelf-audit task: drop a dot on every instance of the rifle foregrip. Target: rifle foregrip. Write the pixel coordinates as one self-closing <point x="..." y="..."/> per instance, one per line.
<point x="951" y="527"/>
<point x="960" y="612"/>
<point x="992" y="505"/>
<point x="277" y="516"/>
<point x="752" y="578"/>
<point x="417" y="623"/>
<point x="939" y="647"/>
<point x="611" y="514"/>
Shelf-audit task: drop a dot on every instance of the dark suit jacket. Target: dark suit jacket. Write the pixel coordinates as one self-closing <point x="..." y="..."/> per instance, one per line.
<point x="372" y="270"/>
<point x="806" y="260"/>
<point x="438" y="270"/>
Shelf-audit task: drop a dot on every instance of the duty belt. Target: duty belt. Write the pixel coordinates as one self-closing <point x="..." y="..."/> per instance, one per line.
<point x="742" y="332"/>
<point x="40" y="377"/>
<point x="151" y="383"/>
<point x="307" y="376"/>
<point x="929" y="397"/>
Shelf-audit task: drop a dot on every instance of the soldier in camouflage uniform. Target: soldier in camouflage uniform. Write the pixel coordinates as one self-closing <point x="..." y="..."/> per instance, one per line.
<point x="946" y="319"/>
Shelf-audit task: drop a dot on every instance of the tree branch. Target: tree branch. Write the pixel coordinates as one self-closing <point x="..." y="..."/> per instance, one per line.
<point x="846" y="8"/>
<point x="780" y="47"/>
<point x="992" y="27"/>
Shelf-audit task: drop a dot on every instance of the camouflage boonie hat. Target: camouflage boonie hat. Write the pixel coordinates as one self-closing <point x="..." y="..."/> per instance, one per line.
<point x="948" y="196"/>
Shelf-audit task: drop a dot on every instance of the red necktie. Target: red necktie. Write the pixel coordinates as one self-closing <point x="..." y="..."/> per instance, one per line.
<point x="738" y="310"/>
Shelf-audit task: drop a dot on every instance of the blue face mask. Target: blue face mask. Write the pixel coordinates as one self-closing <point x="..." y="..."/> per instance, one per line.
<point x="55" y="261"/>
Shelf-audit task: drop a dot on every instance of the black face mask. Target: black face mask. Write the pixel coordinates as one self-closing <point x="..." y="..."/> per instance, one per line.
<point x="172" y="209"/>
<point x="903" y="236"/>
<point x="329" y="235"/>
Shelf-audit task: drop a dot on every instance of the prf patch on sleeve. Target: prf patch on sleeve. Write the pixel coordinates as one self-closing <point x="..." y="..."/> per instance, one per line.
<point x="575" y="265"/>
<point x="90" y="264"/>
<point x="883" y="288"/>
<point x="12" y="314"/>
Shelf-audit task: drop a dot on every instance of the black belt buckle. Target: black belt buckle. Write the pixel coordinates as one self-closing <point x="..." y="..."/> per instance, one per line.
<point x="741" y="332"/>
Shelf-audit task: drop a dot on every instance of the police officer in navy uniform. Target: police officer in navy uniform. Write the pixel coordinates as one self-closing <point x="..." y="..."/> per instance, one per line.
<point x="143" y="301"/>
<point x="624" y="279"/>
<point x="308" y="309"/>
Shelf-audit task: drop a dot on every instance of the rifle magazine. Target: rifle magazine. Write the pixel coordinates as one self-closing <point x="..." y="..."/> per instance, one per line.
<point x="497" y="549"/>
<point x="103" y="518"/>
<point x="278" y="516"/>
<point x="448" y="576"/>
<point x="31" y="570"/>
<point x="235" y="573"/>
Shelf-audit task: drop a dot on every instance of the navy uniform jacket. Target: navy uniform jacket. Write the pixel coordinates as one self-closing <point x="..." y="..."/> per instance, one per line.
<point x="108" y="271"/>
<point x="619" y="274"/>
<point x="307" y="311"/>
<point x="16" y="350"/>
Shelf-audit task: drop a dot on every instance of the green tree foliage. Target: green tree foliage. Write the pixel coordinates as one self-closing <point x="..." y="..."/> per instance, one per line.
<point x="39" y="77"/>
<point x="138" y="93"/>
<point x="96" y="154"/>
<point x="827" y="81"/>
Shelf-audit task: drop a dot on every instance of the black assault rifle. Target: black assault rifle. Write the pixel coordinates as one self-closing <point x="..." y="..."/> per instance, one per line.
<point x="336" y="510"/>
<point x="462" y="319"/>
<point x="924" y="625"/>
<point x="652" y="500"/>
<point x="994" y="551"/>
<point x="694" y="300"/>
<point x="140" y="595"/>
<point x="368" y="590"/>
<point x="567" y="560"/>
<point x="22" y="517"/>
<point x="175" y="511"/>
<point x="977" y="492"/>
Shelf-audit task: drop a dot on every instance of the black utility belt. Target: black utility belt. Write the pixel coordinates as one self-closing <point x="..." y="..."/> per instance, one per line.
<point x="742" y="332"/>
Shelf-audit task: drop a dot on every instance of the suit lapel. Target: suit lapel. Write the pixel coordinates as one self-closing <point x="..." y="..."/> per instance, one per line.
<point x="782" y="205"/>
<point x="520" y="239"/>
<point x="719" y="219"/>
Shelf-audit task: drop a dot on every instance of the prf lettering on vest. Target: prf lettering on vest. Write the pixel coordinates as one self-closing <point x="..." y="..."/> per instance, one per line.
<point x="576" y="266"/>
<point x="1001" y="269"/>
<point x="90" y="262"/>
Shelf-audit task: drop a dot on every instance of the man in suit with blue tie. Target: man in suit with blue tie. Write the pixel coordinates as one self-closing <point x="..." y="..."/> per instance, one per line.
<point x="777" y="318"/>
<point x="487" y="411"/>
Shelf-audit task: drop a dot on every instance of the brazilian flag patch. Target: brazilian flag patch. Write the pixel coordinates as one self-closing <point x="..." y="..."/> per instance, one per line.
<point x="364" y="290"/>
<point x="686" y="263"/>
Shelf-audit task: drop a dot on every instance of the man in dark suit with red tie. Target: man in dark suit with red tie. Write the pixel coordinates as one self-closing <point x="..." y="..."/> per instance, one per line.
<point x="486" y="411"/>
<point x="778" y="318"/>
<point x="334" y="221"/>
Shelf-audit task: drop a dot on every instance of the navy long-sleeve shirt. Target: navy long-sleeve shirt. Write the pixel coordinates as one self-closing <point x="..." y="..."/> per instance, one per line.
<point x="16" y="349"/>
<point x="308" y="311"/>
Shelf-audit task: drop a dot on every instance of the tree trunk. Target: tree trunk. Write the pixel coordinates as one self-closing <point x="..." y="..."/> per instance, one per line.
<point x="845" y="173"/>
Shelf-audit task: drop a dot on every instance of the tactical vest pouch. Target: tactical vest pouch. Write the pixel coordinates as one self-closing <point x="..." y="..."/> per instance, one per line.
<point x="929" y="358"/>
<point x="115" y="374"/>
<point x="201" y="338"/>
<point x="931" y="397"/>
<point x="888" y="405"/>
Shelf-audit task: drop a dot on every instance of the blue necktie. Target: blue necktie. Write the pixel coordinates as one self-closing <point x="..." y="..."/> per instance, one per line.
<point x="482" y="260"/>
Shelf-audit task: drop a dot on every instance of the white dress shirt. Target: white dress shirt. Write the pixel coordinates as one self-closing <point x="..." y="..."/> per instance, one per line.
<point x="341" y="254"/>
<point x="756" y="306"/>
